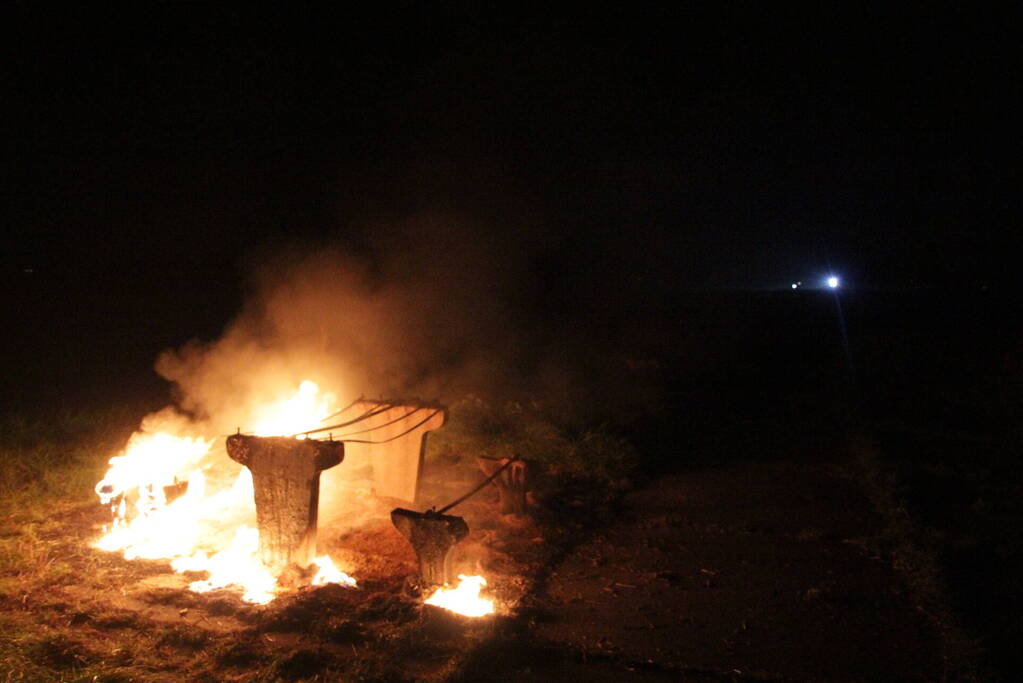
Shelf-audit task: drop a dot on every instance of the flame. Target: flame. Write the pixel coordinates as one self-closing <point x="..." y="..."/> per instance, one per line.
<point x="238" y="565"/>
<point x="298" y="413"/>
<point x="465" y="598"/>
<point x="150" y="461"/>
<point x="202" y="530"/>
<point x="328" y="573"/>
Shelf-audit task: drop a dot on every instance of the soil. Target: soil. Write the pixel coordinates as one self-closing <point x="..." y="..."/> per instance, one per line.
<point x="751" y="570"/>
<point x="761" y="571"/>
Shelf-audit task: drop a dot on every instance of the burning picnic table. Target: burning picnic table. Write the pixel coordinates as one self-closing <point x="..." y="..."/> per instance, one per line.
<point x="162" y="477"/>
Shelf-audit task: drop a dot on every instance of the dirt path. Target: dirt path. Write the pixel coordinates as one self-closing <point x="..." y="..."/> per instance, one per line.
<point x="756" y="571"/>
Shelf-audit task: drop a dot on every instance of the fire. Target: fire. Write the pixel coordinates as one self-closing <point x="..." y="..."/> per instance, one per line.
<point x="465" y="598"/>
<point x="328" y="573"/>
<point x="201" y="529"/>
<point x="296" y="414"/>
<point x="150" y="462"/>
<point x="238" y="565"/>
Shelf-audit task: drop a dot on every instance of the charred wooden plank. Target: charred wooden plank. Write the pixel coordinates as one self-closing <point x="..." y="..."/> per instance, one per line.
<point x="432" y="536"/>
<point x="286" y="486"/>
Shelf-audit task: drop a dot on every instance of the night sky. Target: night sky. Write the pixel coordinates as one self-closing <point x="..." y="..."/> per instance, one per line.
<point x="150" y="150"/>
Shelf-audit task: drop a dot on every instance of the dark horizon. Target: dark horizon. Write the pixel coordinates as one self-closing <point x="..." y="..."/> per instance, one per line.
<point x="586" y="226"/>
<point x="752" y="149"/>
<point x="614" y="167"/>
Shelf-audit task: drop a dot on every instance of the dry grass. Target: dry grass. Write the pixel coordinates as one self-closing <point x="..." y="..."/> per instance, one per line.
<point x="69" y="612"/>
<point x="910" y="551"/>
<point x="536" y="433"/>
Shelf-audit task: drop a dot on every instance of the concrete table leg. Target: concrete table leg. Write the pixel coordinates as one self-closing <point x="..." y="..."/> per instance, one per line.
<point x="511" y="484"/>
<point x="432" y="536"/>
<point x="286" y="484"/>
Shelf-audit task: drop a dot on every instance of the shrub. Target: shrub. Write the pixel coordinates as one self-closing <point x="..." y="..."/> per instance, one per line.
<point x="477" y="428"/>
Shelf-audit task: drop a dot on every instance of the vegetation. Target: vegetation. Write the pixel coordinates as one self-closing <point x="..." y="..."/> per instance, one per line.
<point x="60" y="459"/>
<point x="915" y="554"/>
<point x="533" y="432"/>
<point x="71" y="612"/>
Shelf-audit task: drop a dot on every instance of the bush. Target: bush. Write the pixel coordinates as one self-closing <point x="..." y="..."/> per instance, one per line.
<point x="476" y="428"/>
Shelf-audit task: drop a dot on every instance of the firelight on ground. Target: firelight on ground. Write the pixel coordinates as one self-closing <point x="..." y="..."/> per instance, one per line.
<point x="465" y="598"/>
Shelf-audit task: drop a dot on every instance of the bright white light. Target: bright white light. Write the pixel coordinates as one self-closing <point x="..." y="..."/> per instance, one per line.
<point x="794" y="285"/>
<point x="833" y="282"/>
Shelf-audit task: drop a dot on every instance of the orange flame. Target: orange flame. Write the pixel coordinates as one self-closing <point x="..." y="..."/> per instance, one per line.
<point x="328" y="573"/>
<point x="465" y="598"/>
<point x="300" y="412"/>
<point x="200" y="530"/>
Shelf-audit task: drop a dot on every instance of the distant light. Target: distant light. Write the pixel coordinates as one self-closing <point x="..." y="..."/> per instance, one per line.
<point x="794" y="285"/>
<point x="833" y="282"/>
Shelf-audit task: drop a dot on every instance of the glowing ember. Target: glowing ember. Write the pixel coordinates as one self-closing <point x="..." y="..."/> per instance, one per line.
<point x="465" y="598"/>
<point x="201" y="530"/>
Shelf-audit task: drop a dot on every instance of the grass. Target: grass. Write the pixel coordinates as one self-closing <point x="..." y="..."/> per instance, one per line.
<point x="58" y="459"/>
<point x="69" y="612"/>
<point x="534" y="432"/>
<point x="915" y="555"/>
<point x="48" y="468"/>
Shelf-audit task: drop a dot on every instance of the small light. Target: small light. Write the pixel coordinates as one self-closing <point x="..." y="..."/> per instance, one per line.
<point x="794" y="285"/>
<point x="833" y="282"/>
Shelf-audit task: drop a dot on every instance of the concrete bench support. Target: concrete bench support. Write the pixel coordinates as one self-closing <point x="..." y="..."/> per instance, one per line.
<point x="432" y="536"/>
<point x="286" y="483"/>
<point x="511" y="484"/>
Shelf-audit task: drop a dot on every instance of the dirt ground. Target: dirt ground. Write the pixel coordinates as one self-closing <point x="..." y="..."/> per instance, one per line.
<point x="753" y="571"/>
<point x="78" y="613"/>
<point x="759" y="571"/>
